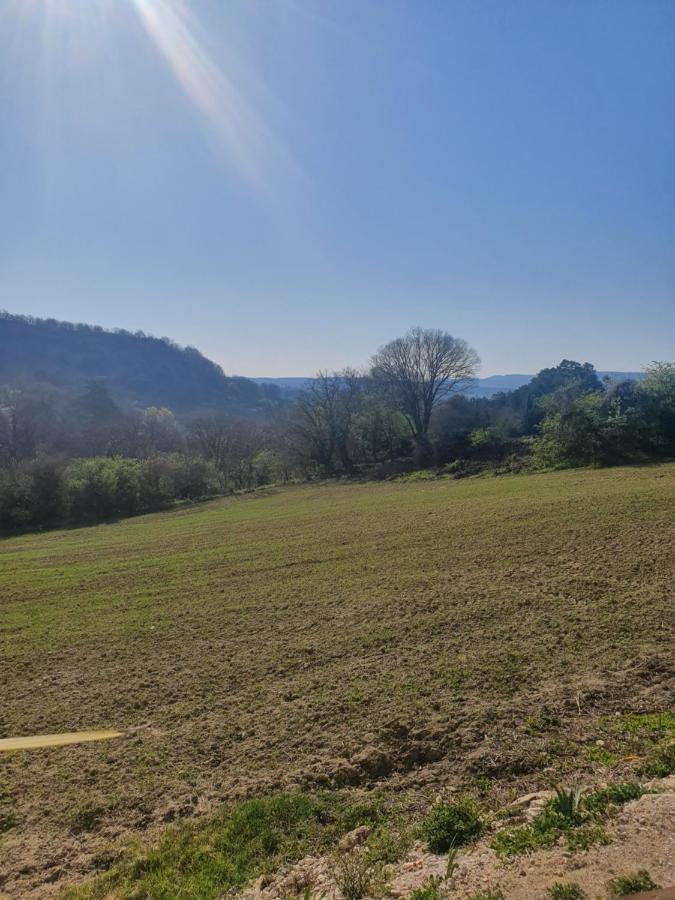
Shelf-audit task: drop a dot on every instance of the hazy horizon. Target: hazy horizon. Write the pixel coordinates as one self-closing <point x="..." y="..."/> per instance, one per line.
<point x="288" y="185"/>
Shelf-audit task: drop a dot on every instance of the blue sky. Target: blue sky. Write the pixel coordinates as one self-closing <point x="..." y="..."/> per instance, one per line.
<point x="287" y="184"/>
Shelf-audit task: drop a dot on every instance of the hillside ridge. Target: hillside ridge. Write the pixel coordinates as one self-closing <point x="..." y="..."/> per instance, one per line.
<point x="136" y="367"/>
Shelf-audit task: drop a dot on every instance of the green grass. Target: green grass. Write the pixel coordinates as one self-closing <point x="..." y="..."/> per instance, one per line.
<point x="245" y="840"/>
<point x="319" y="637"/>
<point x="575" y="817"/>
<point x="430" y="890"/>
<point x="659" y="724"/>
<point x="645" y="739"/>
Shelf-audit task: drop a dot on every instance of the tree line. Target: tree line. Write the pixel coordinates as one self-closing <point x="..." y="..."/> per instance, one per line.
<point x="77" y="455"/>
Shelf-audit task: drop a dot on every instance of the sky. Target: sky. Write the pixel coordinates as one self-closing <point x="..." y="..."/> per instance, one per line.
<point x="289" y="184"/>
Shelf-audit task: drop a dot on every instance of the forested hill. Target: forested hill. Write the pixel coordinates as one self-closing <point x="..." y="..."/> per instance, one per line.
<point x="136" y="368"/>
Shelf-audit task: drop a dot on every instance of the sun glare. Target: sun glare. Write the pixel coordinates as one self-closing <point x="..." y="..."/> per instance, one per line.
<point x="239" y="128"/>
<point x="218" y="85"/>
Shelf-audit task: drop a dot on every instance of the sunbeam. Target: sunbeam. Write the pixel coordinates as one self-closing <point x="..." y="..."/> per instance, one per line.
<point x="238" y="127"/>
<point x="56" y="40"/>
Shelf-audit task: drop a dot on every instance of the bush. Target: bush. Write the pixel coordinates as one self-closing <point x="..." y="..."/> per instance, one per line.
<point x="451" y="825"/>
<point x="632" y="884"/>
<point x="565" y="891"/>
<point x="46" y="492"/>
<point x="15" y="505"/>
<point x="102" y="488"/>
<point x="32" y="494"/>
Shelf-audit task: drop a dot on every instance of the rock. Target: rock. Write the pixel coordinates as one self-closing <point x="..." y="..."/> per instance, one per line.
<point x="526" y="799"/>
<point x="354" y="838"/>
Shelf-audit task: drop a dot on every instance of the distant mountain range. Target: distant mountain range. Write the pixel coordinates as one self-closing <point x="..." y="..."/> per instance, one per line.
<point x="482" y="387"/>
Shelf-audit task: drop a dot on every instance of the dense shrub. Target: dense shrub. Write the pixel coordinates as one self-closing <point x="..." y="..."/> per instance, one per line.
<point x="632" y="884"/>
<point x="626" y="421"/>
<point x="451" y="825"/>
<point x="102" y="488"/>
<point x="48" y="492"/>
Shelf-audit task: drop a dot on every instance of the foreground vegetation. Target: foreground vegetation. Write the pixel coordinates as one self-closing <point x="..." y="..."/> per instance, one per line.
<point x="242" y="842"/>
<point x="486" y="633"/>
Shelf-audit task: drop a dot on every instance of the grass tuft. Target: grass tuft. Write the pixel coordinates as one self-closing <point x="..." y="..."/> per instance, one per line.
<point x="432" y="889"/>
<point x="560" y="890"/>
<point x="567" y="804"/>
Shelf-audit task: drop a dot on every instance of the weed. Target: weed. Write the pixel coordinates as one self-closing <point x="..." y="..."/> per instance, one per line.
<point x="632" y="884"/>
<point x="483" y="785"/>
<point x="387" y="845"/>
<point x="650" y="736"/>
<point x="586" y="836"/>
<point x="353" y="873"/>
<point x="309" y="894"/>
<point x="602" y="800"/>
<point x="432" y="889"/>
<point x="567" y="803"/>
<point x="453" y="852"/>
<point x="516" y="841"/>
<point x="103" y="861"/>
<point x="7" y="820"/>
<point x="560" y="890"/>
<point x="490" y="894"/>
<point x="600" y="755"/>
<point x="660" y="763"/>
<point x="451" y="825"/>
<point x="417" y="476"/>
<point x="570" y="815"/>
<point x="546" y="720"/>
<point x="86" y="817"/>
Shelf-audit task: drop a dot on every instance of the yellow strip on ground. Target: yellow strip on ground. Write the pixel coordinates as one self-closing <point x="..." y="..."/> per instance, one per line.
<point x="55" y="740"/>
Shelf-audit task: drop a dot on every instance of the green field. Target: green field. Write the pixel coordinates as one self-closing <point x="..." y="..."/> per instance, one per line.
<point x="410" y="634"/>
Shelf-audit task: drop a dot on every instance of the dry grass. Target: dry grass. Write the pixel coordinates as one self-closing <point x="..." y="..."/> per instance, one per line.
<point x="321" y="637"/>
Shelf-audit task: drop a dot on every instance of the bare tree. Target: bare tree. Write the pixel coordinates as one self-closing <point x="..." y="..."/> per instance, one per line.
<point x="213" y="439"/>
<point x="231" y="445"/>
<point x="420" y="369"/>
<point x="325" y="417"/>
